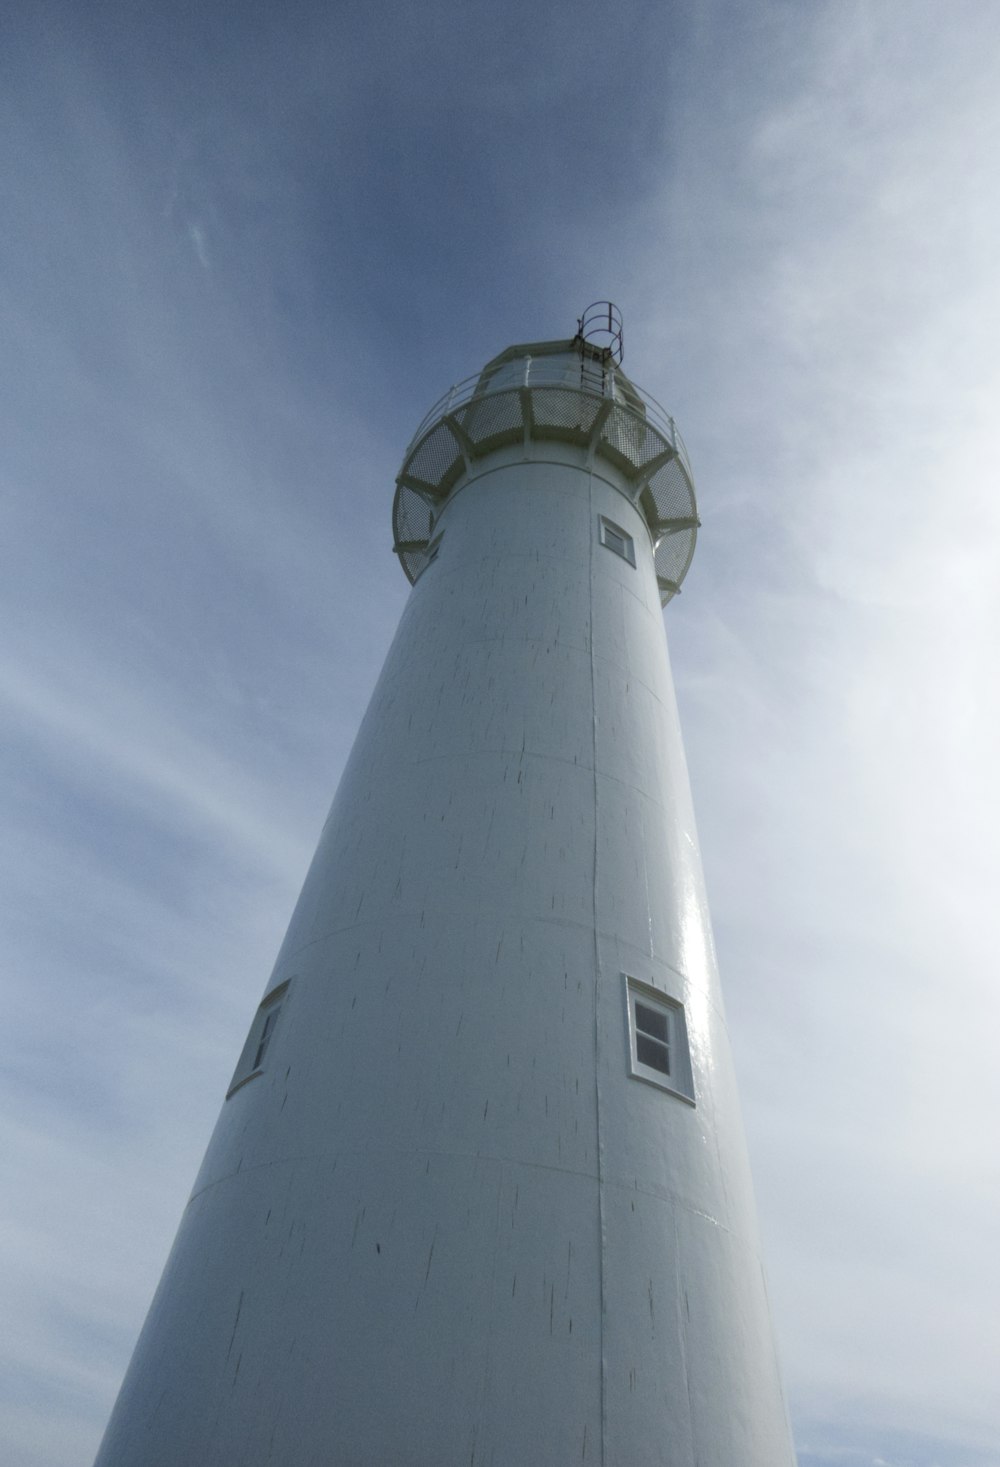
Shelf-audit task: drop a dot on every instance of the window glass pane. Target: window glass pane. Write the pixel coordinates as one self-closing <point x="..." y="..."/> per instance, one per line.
<point x="616" y="539"/>
<point x="651" y="1021"/>
<point x="651" y="1052"/>
<point x="265" y="1036"/>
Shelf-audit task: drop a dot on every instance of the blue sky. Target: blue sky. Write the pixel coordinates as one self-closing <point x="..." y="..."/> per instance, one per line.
<point x="243" y="250"/>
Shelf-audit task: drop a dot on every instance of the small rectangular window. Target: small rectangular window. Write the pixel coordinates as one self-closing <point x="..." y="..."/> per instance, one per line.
<point x="258" y="1041"/>
<point x="658" y="1047"/>
<point x="430" y="554"/>
<point x="265" y="1035"/>
<point x="618" y="540"/>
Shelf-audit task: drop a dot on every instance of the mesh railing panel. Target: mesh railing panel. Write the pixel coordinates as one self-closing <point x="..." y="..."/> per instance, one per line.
<point x="412" y="520"/>
<point x="631" y="437"/>
<point x="435" y="456"/>
<point x="673" y="556"/>
<point x="673" y="495"/>
<point x="494" y="416"/>
<point x="560" y="407"/>
<point x="671" y="489"/>
<point x="411" y="527"/>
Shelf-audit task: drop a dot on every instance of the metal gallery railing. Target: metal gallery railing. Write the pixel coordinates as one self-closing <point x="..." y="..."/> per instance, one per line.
<point x="594" y="379"/>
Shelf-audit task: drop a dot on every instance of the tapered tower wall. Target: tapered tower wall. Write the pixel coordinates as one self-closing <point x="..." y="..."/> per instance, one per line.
<point x="443" y="1221"/>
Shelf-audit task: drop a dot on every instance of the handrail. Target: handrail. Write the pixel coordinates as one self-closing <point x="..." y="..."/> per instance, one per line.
<point x="603" y="318"/>
<point x="552" y="374"/>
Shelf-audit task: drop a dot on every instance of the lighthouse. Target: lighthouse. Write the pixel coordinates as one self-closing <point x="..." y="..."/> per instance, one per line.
<point x="478" y="1193"/>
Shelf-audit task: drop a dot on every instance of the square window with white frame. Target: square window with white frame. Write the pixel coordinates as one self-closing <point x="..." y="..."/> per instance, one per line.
<point x="658" y="1043"/>
<point x="617" y="539"/>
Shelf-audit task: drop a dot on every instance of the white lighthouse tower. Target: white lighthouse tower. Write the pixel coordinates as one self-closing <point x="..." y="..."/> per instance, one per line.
<point x="478" y="1194"/>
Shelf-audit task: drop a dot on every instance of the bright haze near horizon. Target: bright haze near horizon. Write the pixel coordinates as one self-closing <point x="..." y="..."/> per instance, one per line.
<point x="244" y="248"/>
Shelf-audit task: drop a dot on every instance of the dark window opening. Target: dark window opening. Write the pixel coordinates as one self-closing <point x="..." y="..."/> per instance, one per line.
<point x="265" y="1036"/>
<point x="618" y="540"/>
<point x="259" y="1039"/>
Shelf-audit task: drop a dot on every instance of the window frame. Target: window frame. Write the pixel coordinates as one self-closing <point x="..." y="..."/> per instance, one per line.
<point x="609" y="527"/>
<point x="679" y="1081"/>
<point x="253" y="1056"/>
<point x="430" y="553"/>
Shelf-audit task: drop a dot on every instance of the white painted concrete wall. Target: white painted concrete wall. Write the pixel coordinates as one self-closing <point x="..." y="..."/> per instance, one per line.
<point x="444" y="1225"/>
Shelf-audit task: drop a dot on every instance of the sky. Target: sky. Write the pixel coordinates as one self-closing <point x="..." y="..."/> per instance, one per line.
<point x="244" y="248"/>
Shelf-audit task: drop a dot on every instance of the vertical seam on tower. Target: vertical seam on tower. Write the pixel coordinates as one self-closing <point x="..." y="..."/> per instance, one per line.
<point x="597" y="976"/>
<point x="679" y="1294"/>
<point x="488" y="1364"/>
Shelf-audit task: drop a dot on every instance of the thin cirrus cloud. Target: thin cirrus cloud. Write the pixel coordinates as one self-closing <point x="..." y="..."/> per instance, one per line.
<point x="840" y="713"/>
<point x="240" y="260"/>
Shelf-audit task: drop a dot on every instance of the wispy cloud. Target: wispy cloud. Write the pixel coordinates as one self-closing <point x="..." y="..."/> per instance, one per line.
<point x="239" y="262"/>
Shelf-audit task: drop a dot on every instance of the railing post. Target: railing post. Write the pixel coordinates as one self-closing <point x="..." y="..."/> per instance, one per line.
<point x="527" y="370"/>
